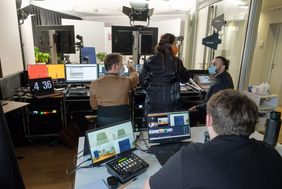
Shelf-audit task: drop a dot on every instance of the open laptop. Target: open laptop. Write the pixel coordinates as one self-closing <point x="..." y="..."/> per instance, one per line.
<point x="105" y="143"/>
<point x="169" y="130"/>
<point x="42" y="87"/>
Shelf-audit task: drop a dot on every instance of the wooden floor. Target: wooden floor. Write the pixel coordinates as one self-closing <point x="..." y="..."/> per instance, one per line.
<point x="44" y="166"/>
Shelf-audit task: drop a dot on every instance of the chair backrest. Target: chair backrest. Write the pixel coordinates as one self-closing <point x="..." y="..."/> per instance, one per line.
<point x="107" y="115"/>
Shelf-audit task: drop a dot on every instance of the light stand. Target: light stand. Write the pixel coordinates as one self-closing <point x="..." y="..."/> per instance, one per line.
<point x="138" y="12"/>
<point x="79" y="45"/>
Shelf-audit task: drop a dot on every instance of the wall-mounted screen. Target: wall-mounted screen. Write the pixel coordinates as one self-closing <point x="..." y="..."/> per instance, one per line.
<point x="63" y="36"/>
<point x="122" y="39"/>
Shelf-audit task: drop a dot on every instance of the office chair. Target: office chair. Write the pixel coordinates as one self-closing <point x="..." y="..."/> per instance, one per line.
<point x="107" y="115"/>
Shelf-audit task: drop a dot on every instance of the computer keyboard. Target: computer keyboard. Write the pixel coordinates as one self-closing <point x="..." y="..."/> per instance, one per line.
<point x="78" y="92"/>
<point x="164" y="151"/>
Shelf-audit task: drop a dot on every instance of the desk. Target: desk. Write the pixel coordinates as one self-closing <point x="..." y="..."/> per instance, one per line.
<point x="84" y="177"/>
<point x="12" y="105"/>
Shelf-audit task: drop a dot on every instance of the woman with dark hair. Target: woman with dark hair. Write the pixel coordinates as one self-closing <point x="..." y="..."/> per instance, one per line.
<point x="161" y="75"/>
<point x="221" y="80"/>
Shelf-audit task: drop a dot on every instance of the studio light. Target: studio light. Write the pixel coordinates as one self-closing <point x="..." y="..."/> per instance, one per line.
<point x="138" y="12"/>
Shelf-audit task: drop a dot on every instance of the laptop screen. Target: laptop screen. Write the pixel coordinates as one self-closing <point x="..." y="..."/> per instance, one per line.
<point x="41" y="85"/>
<point x="81" y="72"/>
<point x="203" y="79"/>
<point x="107" y="142"/>
<point x="168" y="127"/>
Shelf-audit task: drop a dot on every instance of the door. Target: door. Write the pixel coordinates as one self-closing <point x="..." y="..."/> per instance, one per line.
<point x="275" y="79"/>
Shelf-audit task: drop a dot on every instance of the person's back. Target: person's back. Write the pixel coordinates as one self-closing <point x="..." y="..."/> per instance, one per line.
<point x="109" y="95"/>
<point x="230" y="159"/>
<point x="160" y="77"/>
<point x="111" y="90"/>
<point x="229" y="162"/>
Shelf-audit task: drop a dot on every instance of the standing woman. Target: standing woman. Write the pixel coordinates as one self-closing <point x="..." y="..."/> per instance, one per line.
<point x="161" y="75"/>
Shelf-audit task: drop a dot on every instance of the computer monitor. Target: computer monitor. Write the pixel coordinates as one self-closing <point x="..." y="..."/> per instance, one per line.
<point x="37" y="71"/>
<point x="102" y="71"/>
<point x="107" y="142"/>
<point x="81" y="73"/>
<point x="123" y="39"/>
<point x="62" y="36"/>
<point x="203" y="79"/>
<point x="56" y="71"/>
<point x="168" y="127"/>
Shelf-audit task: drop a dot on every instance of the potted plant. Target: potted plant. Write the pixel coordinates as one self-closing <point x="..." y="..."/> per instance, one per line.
<point x="101" y="56"/>
<point x="41" y="57"/>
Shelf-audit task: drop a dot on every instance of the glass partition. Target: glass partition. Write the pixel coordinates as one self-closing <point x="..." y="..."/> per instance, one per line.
<point x="232" y="34"/>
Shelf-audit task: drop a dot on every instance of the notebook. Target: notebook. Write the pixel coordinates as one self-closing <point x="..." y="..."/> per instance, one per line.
<point x="42" y="87"/>
<point x="105" y="143"/>
<point x="169" y="130"/>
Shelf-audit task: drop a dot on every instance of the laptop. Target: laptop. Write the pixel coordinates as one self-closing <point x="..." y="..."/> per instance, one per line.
<point x="42" y="87"/>
<point x="169" y="130"/>
<point x="106" y="143"/>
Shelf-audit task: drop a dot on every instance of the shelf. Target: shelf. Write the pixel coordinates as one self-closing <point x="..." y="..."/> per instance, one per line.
<point x="264" y="102"/>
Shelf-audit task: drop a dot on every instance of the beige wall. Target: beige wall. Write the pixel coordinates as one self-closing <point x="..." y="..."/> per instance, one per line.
<point x="262" y="54"/>
<point x="10" y="48"/>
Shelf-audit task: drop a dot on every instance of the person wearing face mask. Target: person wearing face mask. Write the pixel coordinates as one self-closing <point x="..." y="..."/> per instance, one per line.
<point x="113" y="89"/>
<point x="160" y="76"/>
<point x="221" y="80"/>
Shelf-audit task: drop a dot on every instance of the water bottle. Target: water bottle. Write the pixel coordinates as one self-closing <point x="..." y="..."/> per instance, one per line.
<point x="272" y="128"/>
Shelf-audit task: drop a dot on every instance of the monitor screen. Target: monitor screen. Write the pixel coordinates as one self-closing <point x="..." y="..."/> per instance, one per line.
<point x="102" y="71"/>
<point x="63" y="37"/>
<point x="37" y="71"/>
<point x="123" y="39"/>
<point x="81" y="72"/>
<point x="168" y="127"/>
<point x="107" y="142"/>
<point x="41" y="85"/>
<point x="56" y="71"/>
<point x="203" y="79"/>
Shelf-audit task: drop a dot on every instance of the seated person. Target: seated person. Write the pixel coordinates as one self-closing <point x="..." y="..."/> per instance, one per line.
<point x="112" y="90"/>
<point x="230" y="159"/>
<point x="221" y="80"/>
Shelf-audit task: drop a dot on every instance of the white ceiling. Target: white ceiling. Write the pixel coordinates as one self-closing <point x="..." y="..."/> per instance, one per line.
<point x="91" y="9"/>
<point x="110" y="11"/>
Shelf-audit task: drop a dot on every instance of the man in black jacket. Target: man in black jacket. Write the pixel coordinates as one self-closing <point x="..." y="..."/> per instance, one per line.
<point x="221" y="80"/>
<point x="230" y="159"/>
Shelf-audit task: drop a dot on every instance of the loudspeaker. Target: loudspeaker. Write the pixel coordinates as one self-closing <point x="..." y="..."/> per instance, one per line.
<point x="24" y="79"/>
<point x="272" y="128"/>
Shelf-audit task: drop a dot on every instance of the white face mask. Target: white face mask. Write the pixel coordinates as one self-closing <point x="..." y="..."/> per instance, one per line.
<point x="122" y="69"/>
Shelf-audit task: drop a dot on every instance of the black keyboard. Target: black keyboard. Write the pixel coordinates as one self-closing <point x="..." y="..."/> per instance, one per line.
<point x="164" y="151"/>
<point x="78" y="92"/>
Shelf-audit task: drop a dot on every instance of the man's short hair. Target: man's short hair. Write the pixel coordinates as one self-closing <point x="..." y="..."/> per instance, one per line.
<point x="111" y="59"/>
<point x="232" y="113"/>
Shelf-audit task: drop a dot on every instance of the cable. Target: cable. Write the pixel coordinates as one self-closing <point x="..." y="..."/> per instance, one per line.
<point x="75" y="157"/>
<point x="140" y="137"/>
<point x="79" y="167"/>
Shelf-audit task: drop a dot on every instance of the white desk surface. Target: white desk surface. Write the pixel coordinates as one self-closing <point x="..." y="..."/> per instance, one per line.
<point x="89" y="177"/>
<point x="12" y="105"/>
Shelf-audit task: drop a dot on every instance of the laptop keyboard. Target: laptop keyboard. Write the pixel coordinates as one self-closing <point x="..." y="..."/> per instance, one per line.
<point x="164" y="151"/>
